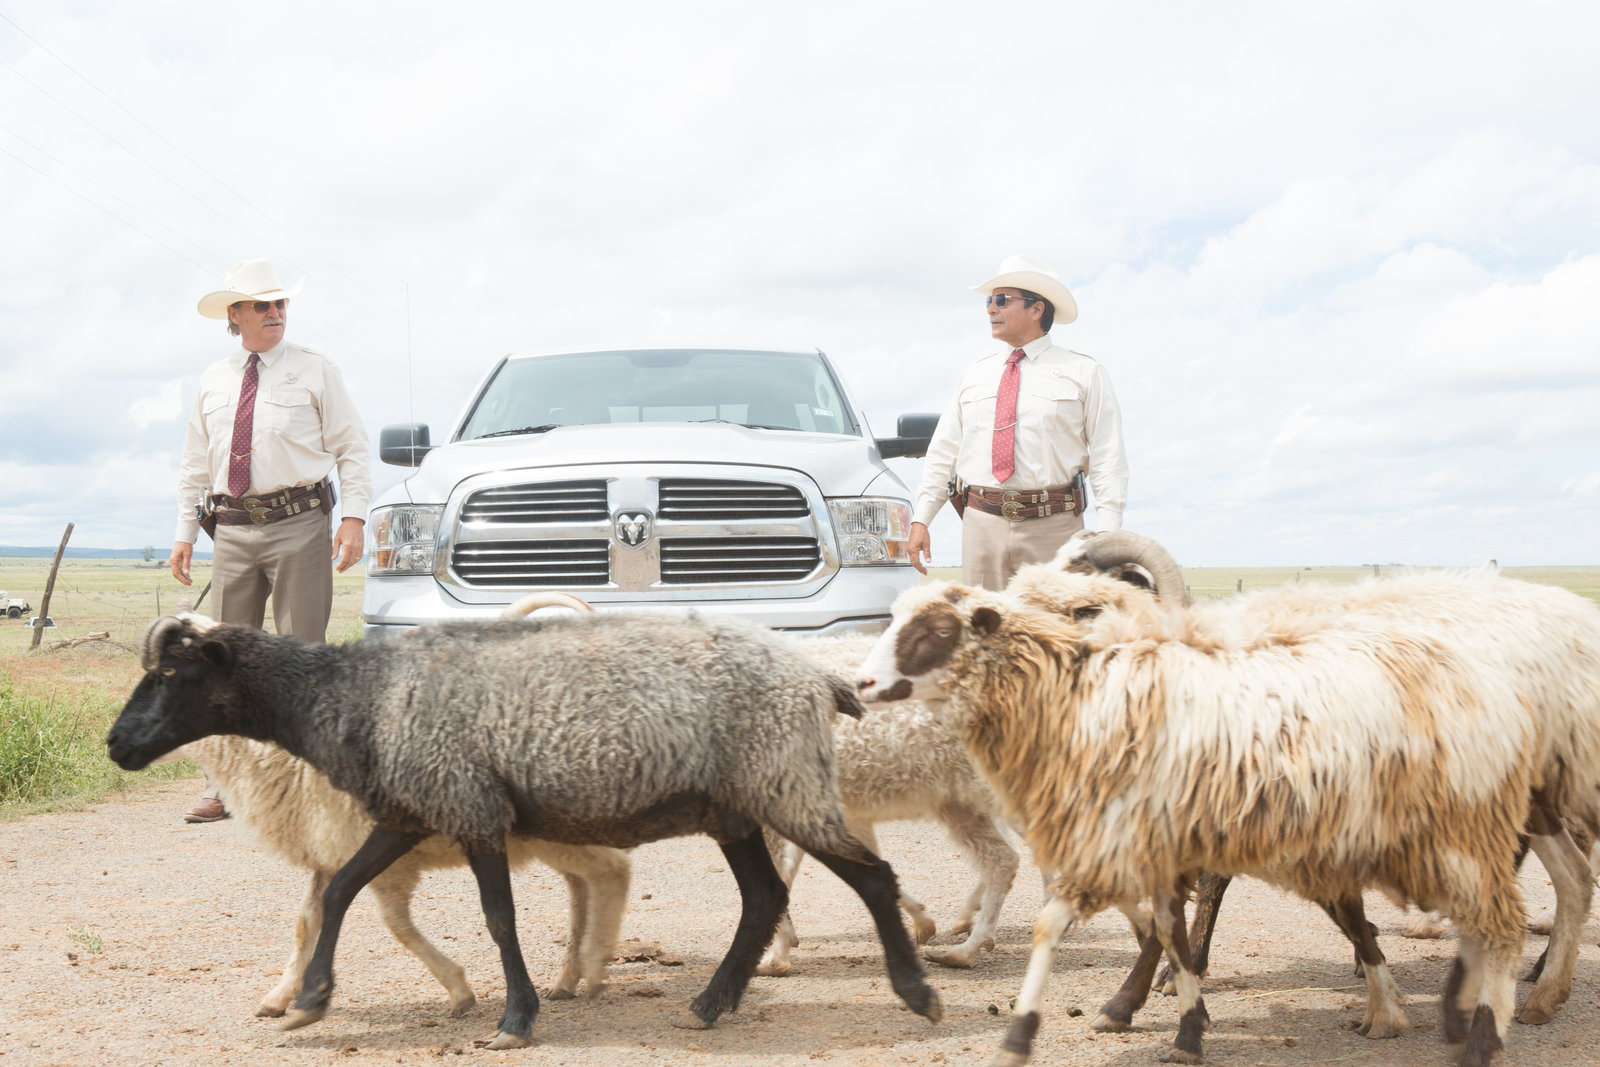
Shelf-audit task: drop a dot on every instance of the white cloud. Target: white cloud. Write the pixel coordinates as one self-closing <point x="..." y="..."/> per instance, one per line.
<point x="164" y="406"/>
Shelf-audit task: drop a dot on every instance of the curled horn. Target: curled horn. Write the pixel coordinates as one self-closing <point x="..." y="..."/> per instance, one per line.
<point x="534" y="601"/>
<point x="1116" y="547"/>
<point x="155" y="639"/>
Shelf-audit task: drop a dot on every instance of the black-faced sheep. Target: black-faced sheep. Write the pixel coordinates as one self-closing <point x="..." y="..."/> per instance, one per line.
<point x="906" y="761"/>
<point x="1140" y="749"/>
<point x="599" y="729"/>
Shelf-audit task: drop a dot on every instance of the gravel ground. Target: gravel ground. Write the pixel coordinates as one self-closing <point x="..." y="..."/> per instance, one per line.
<point x="192" y="924"/>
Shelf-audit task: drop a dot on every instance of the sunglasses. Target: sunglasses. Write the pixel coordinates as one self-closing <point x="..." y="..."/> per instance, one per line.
<point x="261" y="307"/>
<point x="1000" y="300"/>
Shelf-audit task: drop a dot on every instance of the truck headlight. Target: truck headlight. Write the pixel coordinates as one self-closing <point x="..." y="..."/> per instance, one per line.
<point x="404" y="539"/>
<point x="872" y="530"/>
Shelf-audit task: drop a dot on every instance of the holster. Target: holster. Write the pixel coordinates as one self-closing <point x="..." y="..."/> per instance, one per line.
<point x="325" y="491"/>
<point x="956" y="490"/>
<point x="206" y="516"/>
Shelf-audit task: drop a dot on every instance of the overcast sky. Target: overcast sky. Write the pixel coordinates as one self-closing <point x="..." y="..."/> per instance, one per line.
<point x="1342" y="261"/>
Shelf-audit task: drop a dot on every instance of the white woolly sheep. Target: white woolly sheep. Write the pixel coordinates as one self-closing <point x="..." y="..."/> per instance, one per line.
<point x="297" y="814"/>
<point x="906" y="761"/>
<point x="1544" y="641"/>
<point x="595" y="729"/>
<point x="1140" y="748"/>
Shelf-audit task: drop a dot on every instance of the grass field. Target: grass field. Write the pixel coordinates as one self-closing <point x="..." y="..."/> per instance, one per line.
<point x="56" y="704"/>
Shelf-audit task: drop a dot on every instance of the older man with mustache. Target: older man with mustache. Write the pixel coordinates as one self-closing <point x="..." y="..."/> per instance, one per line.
<point x="270" y="424"/>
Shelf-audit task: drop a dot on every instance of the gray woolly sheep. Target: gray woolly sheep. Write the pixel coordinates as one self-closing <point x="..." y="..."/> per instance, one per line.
<point x="905" y="761"/>
<point x="1140" y="748"/>
<point x="598" y="729"/>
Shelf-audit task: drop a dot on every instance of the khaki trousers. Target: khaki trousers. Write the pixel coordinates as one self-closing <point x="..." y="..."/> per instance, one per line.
<point x="994" y="547"/>
<point x="290" y="561"/>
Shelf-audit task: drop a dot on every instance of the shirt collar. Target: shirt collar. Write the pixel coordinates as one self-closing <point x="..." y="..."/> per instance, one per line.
<point x="1035" y="348"/>
<point x="268" y="358"/>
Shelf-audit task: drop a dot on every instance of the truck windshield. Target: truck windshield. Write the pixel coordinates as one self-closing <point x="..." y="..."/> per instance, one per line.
<point x="771" y="390"/>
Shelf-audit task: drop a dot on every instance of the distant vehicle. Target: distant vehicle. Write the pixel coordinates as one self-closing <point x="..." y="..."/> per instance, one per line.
<point x="12" y="607"/>
<point x="726" y="481"/>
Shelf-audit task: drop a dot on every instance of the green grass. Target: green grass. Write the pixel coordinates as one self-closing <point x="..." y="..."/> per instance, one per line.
<point x="57" y="704"/>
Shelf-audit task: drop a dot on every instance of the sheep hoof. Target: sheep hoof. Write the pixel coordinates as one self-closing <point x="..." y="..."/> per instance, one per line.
<point x="298" y="1017"/>
<point x="1177" y="1055"/>
<point x="270" y="1010"/>
<point x="1378" y="1031"/>
<point x="458" y="1008"/>
<point x="1105" y="1024"/>
<point x="962" y="926"/>
<point x="773" y="968"/>
<point x="561" y="993"/>
<point x="930" y="1007"/>
<point x="956" y="957"/>
<point x="923" y="930"/>
<point x="503" y="1040"/>
<point x="1534" y="1015"/>
<point x="690" y="1021"/>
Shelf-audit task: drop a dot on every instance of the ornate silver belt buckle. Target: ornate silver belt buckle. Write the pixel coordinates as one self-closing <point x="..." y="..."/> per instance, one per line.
<point x="1009" y="507"/>
<point x="257" y="513"/>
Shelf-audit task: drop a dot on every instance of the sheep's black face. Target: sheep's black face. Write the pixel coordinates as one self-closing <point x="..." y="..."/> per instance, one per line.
<point x="172" y="705"/>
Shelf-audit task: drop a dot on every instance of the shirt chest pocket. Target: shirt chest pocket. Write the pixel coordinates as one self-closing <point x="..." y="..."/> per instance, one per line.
<point x="286" y="412"/>
<point x="977" y="405"/>
<point x="217" y="411"/>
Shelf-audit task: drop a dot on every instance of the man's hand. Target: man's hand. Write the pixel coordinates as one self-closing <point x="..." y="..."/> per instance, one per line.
<point x="182" y="552"/>
<point x="349" y="541"/>
<point x="919" y="547"/>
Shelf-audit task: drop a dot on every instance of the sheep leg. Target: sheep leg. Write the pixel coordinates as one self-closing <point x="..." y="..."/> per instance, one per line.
<point x="607" y="884"/>
<point x="394" y="907"/>
<point x="1207" y="903"/>
<point x="382" y="847"/>
<point x="1192" y="1019"/>
<point x="1496" y="1001"/>
<point x="875" y="883"/>
<point x="1569" y="871"/>
<point x="500" y="915"/>
<point x="566" y="986"/>
<point x="1385" y="1017"/>
<point x="980" y="838"/>
<point x="762" y="897"/>
<point x="306" y="926"/>
<point x="1054" y="920"/>
<point x="787" y="856"/>
<point x="1118" y="1012"/>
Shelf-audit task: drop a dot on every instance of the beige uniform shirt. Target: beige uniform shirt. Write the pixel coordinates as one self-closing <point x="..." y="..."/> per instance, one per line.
<point x="1067" y="421"/>
<point x="305" y="424"/>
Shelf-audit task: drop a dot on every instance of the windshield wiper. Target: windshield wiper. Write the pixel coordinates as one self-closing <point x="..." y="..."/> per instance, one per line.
<point x="749" y="425"/>
<point x="526" y="429"/>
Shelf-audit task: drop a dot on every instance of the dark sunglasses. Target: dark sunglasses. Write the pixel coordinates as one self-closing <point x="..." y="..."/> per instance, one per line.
<point x="1000" y="300"/>
<point x="261" y="307"/>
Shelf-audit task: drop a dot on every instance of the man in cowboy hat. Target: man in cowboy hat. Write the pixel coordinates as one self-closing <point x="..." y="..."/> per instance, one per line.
<point x="1025" y="426"/>
<point x="270" y="424"/>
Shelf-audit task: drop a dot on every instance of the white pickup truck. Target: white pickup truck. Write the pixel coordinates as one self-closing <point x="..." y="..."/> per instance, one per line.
<point x="723" y="480"/>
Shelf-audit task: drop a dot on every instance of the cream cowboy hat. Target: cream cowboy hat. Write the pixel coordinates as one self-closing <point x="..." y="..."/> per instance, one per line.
<point x="252" y="279"/>
<point x="1020" y="272"/>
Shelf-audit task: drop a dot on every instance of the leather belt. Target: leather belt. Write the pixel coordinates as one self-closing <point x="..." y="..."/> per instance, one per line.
<point x="1019" y="504"/>
<point x="270" y="507"/>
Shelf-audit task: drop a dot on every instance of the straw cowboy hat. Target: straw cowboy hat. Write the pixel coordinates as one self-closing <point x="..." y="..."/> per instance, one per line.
<point x="253" y="279"/>
<point x="1020" y="272"/>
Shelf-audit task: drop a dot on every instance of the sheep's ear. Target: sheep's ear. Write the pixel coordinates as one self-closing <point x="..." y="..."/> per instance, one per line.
<point x="217" y="654"/>
<point x="986" y="621"/>
<point x="845" y="701"/>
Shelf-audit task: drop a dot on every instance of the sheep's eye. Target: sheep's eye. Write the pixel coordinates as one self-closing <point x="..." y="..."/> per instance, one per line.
<point x="944" y="632"/>
<point x="168" y="672"/>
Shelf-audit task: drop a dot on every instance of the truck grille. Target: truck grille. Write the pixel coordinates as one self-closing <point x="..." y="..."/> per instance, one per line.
<point x="708" y="560"/>
<point x="536" y="502"/>
<point x="708" y="500"/>
<point x="533" y="563"/>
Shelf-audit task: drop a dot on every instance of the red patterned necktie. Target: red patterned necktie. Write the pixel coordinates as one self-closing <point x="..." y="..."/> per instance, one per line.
<point x="1005" y="419"/>
<point x="244" y="421"/>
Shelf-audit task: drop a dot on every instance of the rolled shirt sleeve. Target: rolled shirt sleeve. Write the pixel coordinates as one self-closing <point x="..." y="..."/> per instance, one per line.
<point x="344" y="435"/>
<point x="939" y="463"/>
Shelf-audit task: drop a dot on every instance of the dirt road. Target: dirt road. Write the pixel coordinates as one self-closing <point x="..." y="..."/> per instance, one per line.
<point x="192" y="924"/>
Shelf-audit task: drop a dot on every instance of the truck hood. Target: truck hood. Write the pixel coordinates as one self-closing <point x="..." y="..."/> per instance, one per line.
<point x="841" y="466"/>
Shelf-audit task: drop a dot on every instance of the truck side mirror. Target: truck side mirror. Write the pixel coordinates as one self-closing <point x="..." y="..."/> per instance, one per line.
<point x="912" y="435"/>
<point x="404" y="444"/>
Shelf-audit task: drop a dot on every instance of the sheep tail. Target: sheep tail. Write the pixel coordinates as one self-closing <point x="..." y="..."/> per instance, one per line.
<point x="845" y="701"/>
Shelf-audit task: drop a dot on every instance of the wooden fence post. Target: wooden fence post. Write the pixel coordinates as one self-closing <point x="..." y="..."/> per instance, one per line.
<point x="49" y="587"/>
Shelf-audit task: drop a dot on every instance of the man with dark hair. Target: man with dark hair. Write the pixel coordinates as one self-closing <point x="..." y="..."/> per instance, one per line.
<point x="269" y="425"/>
<point x="1026" y="428"/>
